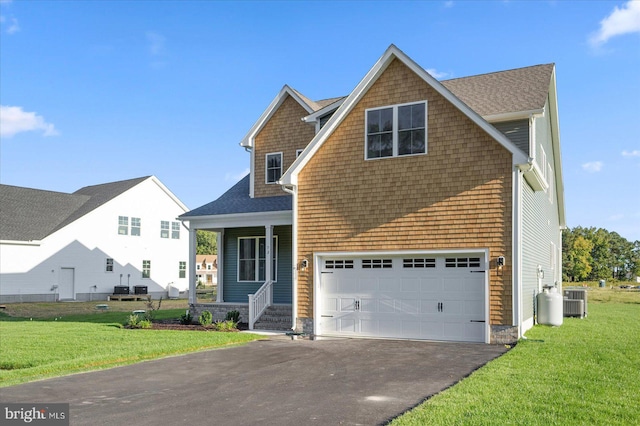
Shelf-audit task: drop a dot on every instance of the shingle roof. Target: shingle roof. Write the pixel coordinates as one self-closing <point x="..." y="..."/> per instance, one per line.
<point x="28" y="214"/>
<point x="521" y="89"/>
<point x="236" y="201"/>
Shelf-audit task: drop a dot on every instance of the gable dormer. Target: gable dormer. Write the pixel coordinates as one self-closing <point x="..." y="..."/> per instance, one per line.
<point x="276" y="139"/>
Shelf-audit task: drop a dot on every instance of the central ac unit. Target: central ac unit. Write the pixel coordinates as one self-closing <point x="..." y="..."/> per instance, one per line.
<point x="573" y="308"/>
<point x="577" y="294"/>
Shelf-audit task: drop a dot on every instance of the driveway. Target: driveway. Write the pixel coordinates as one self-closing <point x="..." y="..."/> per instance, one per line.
<point x="277" y="381"/>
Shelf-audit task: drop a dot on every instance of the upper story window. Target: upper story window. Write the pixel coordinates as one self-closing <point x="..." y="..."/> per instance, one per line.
<point x="123" y="225"/>
<point x="108" y="267"/>
<point x="273" y="167"/>
<point x="146" y="269"/>
<point x="396" y="130"/>
<point x="175" y="230"/>
<point x="164" y="229"/>
<point x="135" y="226"/>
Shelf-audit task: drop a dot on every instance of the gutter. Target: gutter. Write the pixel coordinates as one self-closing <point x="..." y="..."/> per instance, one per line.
<point x="291" y="189"/>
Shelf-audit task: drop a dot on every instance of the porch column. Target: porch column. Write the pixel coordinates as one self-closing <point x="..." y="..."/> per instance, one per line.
<point x="192" y="265"/>
<point x="268" y="255"/>
<point x="219" y="285"/>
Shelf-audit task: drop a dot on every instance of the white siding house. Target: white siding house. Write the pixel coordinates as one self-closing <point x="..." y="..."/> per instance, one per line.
<point x="58" y="246"/>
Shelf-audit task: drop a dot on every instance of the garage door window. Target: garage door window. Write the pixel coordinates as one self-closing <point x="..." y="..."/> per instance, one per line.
<point x="377" y="263"/>
<point x="338" y="264"/>
<point x="462" y="262"/>
<point x="419" y="263"/>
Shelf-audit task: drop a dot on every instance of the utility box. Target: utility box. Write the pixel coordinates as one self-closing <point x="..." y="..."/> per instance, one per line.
<point x="140" y="289"/>
<point x="121" y="289"/>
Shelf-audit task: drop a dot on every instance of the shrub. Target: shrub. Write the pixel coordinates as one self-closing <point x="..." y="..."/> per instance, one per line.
<point x="205" y="319"/>
<point x="227" y="325"/>
<point x="152" y="308"/>
<point x="135" y="321"/>
<point x="233" y="316"/>
<point x="186" y="318"/>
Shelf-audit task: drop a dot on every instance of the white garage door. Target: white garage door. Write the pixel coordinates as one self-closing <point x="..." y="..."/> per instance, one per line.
<point x="411" y="297"/>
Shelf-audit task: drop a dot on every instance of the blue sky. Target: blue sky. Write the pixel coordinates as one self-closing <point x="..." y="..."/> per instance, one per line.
<point x="99" y="91"/>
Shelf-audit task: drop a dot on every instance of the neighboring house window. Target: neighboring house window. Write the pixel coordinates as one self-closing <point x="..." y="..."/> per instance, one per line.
<point x="209" y="267"/>
<point x="135" y="226"/>
<point x="109" y="265"/>
<point x="146" y="269"/>
<point x="198" y="267"/>
<point x="273" y="167"/>
<point x="396" y="130"/>
<point x="182" y="270"/>
<point x="252" y="259"/>
<point x="164" y="229"/>
<point x="123" y="225"/>
<point x="175" y="230"/>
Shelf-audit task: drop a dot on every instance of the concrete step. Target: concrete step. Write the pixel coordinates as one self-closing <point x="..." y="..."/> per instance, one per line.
<point x="276" y="317"/>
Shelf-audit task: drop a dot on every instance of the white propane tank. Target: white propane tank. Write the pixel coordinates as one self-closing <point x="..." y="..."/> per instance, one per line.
<point x="550" y="307"/>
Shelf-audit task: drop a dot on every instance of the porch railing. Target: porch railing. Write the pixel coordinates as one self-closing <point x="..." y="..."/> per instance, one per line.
<point x="259" y="302"/>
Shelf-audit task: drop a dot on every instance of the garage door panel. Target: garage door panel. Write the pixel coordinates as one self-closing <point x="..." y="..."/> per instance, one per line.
<point x="411" y="284"/>
<point x="390" y="285"/>
<point x="347" y="304"/>
<point x="369" y="305"/>
<point x="408" y="306"/>
<point x="386" y="305"/>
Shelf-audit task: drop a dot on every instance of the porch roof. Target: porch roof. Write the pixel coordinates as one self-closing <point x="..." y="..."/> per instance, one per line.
<point x="237" y="201"/>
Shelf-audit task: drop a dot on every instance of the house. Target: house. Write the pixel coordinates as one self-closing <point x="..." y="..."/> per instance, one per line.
<point x="411" y="208"/>
<point x="79" y="246"/>
<point x="207" y="269"/>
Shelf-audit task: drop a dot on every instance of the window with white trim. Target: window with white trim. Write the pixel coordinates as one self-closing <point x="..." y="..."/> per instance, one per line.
<point x="123" y="225"/>
<point x="273" y="167"/>
<point x="542" y="163"/>
<point x="164" y="229"/>
<point x="550" y="181"/>
<point x="135" y="226"/>
<point x="182" y="269"/>
<point x="396" y="130"/>
<point x="146" y="269"/>
<point x="175" y="230"/>
<point x="252" y="256"/>
<point x="108" y="267"/>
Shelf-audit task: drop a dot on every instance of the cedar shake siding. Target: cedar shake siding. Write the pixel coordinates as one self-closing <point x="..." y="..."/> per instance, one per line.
<point x="285" y="132"/>
<point x="457" y="196"/>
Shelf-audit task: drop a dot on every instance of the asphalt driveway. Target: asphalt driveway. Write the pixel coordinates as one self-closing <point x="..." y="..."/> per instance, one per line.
<point x="270" y="382"/>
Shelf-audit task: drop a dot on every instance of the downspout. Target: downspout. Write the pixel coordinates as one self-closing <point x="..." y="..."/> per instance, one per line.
<point x="251" y="168"/>
<point x="294" y="255"/>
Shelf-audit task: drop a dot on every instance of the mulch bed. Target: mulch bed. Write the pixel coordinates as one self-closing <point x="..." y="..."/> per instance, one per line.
<point x="176" y="325"/>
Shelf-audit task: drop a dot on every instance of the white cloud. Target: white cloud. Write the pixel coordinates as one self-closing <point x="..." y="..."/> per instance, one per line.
<point x="592" y="166"/>
<point x="14" y="27"/>
<point x="437" y="74"/>
<point x="14" y="120"/>
<point x="623" y="20"/>
<point x="634" y="153"/>
<point x="156" y="43"/>
<point x="448" y="3"/>
<point x="237" y="176"/>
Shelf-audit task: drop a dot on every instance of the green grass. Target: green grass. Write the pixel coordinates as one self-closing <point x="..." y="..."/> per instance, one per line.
<point x="585" y="372"/>
<point x="33" y="349"/>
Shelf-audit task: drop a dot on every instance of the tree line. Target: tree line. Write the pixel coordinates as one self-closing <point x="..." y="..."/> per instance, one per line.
<point x="590" y="254"/>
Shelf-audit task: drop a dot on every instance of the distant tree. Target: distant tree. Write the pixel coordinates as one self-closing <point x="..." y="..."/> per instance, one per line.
<point x="580" y="258"/>
<point x="207" y="242"/>
<point x="599" y="254"/>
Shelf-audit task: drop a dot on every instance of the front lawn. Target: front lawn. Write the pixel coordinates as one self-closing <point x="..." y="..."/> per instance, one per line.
<point x="33" y="349"/>
<point x="586" y="372"/>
